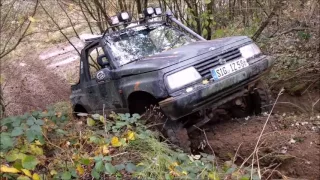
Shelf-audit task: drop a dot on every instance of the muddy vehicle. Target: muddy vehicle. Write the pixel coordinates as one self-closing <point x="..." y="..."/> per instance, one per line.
<point x="159" y="61"/>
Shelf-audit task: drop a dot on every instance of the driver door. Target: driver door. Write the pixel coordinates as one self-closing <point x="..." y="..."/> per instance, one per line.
<point x="102" y="94"/>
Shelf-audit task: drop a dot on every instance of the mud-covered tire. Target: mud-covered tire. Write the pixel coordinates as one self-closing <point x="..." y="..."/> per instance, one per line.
<point x="257" y="101"/>
<point x="177" y="135"/>
<point x="261" y="97"/>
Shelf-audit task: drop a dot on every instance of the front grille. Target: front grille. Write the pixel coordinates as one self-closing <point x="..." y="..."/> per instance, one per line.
<point x="204" y="67"/>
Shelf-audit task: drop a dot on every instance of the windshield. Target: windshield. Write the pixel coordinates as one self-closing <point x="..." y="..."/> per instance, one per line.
<point x="142" y="41"/>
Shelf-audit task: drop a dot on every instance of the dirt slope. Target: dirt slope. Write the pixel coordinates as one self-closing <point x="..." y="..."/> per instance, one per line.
<point x="292" y="144"/>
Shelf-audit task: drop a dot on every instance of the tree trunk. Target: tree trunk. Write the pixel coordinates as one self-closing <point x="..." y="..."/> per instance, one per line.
<point x="276" y="7"/>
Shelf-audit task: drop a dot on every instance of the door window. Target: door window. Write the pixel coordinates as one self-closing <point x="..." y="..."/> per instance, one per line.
<point x="92" y="59"/>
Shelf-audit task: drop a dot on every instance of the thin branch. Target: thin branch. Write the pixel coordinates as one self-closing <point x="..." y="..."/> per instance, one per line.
<point x="59" y="28"/>
<point x="72" y="25"/>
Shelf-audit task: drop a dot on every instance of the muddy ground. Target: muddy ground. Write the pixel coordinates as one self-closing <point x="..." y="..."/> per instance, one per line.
<point x="290" y="144"/>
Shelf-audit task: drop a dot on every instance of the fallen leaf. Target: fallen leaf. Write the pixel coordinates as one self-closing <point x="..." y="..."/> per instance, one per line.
<point x="53" y="172"/>
<point x="80" y="169"/>
<point x="115" y="142"/>
<point x="26" y="172"/>
<point x="131" y="136"/>
<point x="8" y="169"/>
<point x="105" y="150"/>
<point x="32" y="19"/>
<point x="35" y="176"/>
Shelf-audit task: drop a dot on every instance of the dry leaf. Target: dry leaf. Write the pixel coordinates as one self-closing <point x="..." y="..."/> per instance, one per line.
<point x="35" y="176"/>
<point x="115" y="142"/>
<point x="32" y="19"/>
<point x="8" y="169"/>
<point x="131" y="136"/>
<point x="80" y="169"/>
<point x="105" y="150"/>
<point x="26" y="172"/>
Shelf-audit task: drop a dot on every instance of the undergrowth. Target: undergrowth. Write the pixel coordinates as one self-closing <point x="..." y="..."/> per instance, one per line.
<point x="51" y="145"/>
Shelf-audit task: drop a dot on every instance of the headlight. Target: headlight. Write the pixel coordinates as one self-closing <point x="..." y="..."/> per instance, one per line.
<point x="183" y="78"/>
<point x="250" y="50"/>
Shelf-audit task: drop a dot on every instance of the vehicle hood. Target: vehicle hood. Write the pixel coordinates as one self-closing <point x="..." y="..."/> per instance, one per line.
<point x="182" y="54"/>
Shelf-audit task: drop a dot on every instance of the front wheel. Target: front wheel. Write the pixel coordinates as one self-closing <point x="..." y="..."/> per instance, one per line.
<point x="177" y="134"/>
<point x="257" y="101"/>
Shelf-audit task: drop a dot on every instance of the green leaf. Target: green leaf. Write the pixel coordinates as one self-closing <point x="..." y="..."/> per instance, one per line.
<point x="12" y="155"/>
<point x="17" y="131"/>
<point x="230" y="170"/>
<point x="96" y="116"/>
<point x="30" y="135"/>
<point x="36" y="128"/>
<point x="95" y="174"/>
<point x="99" y="166"/>
<point x="131" y="167"/>
<point x="6" y="141"/>
<point x="29" y="162"/>
<point x="182" y="157"/>
<point x="66" y="175"/>
<point x="107" y="158"/>
<point x="120" y="167"/>
<point x="16" y="122"/>
<point x="110" y="169"/>
<point x="90" y="122"/>
<point x="245" y="177"/>
<point x="85" y="161"/>
<point x="40" y="122"/>
<point x="30" y="122"/>
<point x="6" y="121"/>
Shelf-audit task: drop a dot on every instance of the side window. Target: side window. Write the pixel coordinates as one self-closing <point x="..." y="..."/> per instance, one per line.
<point x="93" y="63"/>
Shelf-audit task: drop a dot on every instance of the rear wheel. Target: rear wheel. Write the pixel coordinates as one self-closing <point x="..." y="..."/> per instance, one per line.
<point x="173" y="130"/>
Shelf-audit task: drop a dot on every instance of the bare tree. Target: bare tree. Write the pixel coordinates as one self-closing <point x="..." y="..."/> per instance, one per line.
<point x="13" y="31"/>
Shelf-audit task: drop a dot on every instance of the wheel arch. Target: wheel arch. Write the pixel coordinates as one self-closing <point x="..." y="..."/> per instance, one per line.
<point x="138" y="100"/>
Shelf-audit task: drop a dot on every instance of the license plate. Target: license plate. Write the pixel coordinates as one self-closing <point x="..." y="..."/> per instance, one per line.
<point x="228" y="68"/>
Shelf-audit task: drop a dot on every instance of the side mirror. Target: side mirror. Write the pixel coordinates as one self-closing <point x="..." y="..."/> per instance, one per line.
<point x="103" y="75"/>
<point x="103" y="61"/>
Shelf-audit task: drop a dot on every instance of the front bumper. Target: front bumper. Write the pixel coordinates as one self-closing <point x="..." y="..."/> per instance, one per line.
<point x="205" y="96"/>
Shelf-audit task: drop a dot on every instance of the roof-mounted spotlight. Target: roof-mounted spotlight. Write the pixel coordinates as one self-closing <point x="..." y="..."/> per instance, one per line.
<point x="158" y="11"/>
<point x="148" y="12"/>
<point x="124" y="17"/>
<point x="114" y="20"/>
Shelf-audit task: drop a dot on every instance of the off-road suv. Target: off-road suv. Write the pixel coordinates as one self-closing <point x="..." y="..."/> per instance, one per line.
<point x="159" y="61"/>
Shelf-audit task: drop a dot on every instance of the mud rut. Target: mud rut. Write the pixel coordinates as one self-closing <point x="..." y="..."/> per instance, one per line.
<point x="40" y="79"/>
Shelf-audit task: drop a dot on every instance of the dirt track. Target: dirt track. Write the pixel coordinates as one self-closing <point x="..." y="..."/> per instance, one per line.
<point x="39" y="78"/>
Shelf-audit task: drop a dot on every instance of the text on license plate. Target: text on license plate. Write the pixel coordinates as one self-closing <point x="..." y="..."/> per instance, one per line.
<point x="228" y="68"/>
